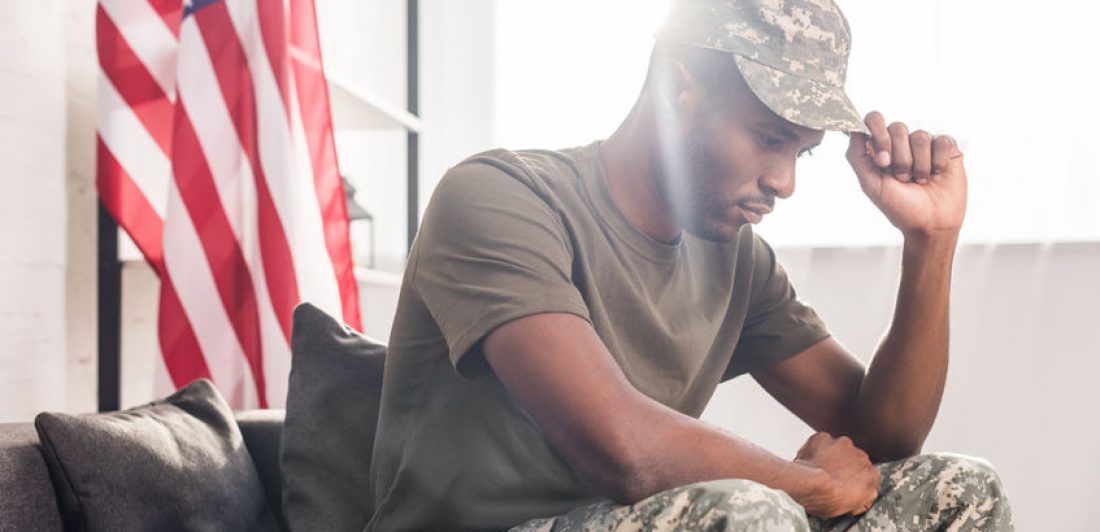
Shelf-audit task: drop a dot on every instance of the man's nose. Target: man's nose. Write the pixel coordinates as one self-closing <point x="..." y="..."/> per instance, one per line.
<point x="779" y="181"/>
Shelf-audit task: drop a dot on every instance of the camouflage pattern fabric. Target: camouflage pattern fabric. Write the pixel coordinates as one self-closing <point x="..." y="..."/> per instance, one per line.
<point x="928" y="492"/>
<point x="793" y="54"/>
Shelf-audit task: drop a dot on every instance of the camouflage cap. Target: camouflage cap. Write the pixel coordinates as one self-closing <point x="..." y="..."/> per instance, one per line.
<point x="792" y="53"/>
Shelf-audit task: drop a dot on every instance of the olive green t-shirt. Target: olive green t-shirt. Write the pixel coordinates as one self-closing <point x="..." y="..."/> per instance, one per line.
<point x="511" y="234"/>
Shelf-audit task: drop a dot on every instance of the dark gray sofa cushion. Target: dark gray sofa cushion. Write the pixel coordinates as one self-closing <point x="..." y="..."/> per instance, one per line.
<point x="331" y="413"/>
<point x="262" y="431"/>
<point x="27" y="500"/>
<point x="175" y="464"/>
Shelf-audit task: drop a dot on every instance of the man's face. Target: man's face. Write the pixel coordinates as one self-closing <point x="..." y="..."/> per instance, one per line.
<point x="726" y="162"/>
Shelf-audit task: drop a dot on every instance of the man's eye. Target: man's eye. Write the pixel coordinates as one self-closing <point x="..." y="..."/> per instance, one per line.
<point x="770" y="141"/>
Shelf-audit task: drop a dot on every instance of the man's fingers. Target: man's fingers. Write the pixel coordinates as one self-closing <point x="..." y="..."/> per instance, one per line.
<point x="920" y="143"/>
<point x="857" y="147"/>
<point x="874" y="480"/>
<point x="901" y="156"/>
<point x="811" y="442"/>
<point x="860" y="159"/>
<point x="944" y="149"/>
<point x="865" y="507"/>
<point x="880" y="138"/>
<point x="891" y="149"/>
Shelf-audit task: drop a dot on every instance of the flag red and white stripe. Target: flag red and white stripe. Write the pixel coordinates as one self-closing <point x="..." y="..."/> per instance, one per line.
<point x="216" y="155"/>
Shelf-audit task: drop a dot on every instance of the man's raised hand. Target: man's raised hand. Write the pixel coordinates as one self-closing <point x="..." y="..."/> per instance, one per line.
<point x="917" y="180"/>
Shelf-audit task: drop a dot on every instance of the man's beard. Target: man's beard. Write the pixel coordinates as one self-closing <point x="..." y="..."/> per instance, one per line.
<point x="686" y="184"/>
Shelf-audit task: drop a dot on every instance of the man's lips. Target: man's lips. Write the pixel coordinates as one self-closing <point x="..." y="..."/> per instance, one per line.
<point x="753" y="212"/>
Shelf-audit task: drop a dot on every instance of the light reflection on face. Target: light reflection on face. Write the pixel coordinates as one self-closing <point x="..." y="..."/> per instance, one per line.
<point x="724" y="165"/>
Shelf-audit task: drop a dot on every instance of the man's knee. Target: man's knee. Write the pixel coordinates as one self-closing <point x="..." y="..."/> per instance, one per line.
<point x="733" y="504"/>
<point x="965" y="489"/>
<point x="965" y="478"/>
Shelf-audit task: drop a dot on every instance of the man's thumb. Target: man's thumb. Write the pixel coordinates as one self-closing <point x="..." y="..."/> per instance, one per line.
<point x="859" y="158"/>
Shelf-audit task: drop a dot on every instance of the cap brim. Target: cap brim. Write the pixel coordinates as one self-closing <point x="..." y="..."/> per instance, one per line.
<point x="803" y="101"/>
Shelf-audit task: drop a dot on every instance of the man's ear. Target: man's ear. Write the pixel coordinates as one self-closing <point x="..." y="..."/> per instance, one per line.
<point x="678" y="92"/>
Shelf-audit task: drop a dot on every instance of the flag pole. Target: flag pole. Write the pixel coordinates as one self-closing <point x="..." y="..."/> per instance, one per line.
<point x="109" y="304"/>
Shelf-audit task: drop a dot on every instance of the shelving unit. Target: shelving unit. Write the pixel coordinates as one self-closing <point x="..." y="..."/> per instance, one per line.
<point x="356" y="108"/>
<point x="377" y="277"/>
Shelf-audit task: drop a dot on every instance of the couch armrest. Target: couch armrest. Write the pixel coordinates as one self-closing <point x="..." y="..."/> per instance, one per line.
<point x="262" y="431"/>
<point x="27" y="499"/>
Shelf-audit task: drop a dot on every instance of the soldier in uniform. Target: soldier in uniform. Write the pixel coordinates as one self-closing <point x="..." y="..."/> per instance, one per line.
<point x="566" y="315"/>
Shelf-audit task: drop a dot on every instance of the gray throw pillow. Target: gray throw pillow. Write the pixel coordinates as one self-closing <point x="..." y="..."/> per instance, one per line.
<point x="175" y="464"/>
<point x="331" y="414"/>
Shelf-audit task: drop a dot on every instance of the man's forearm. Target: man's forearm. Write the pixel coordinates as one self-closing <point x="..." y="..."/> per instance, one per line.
<point x="829" y="477"/>
<point x="675" y="450"/>
<point x="900" y="395"/>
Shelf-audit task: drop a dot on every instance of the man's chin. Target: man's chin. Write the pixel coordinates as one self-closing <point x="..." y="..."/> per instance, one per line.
<point x="720" y="232"/>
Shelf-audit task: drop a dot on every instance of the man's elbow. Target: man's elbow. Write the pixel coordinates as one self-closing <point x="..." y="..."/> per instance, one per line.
<point x="893" y="449"/>
<point x="634" y="483"/>
<point x="619" y="469"/>
<point x="891" y="438"/>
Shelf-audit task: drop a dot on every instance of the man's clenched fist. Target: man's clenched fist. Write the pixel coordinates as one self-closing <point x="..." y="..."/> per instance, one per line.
<point x="917" y="180"/>
<point x="851" y="481"/>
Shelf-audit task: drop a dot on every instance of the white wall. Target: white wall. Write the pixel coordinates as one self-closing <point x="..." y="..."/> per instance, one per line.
<point x="33" y="207"/>
<point x="48" y="208"/>
<point x="82" y="206"/>
<point x="457" y="85"/>
<point x="1025" y="352"/>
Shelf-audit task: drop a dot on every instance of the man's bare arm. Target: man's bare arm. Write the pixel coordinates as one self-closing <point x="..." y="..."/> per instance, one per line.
<point x="919" y="183"/>
<point x="889" y="410"/>
<point x="629" y="446"/>
<point x="900" y="397"/>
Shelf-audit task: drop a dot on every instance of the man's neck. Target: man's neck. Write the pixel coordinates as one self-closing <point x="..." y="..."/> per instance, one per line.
<point x="628" y="162"/>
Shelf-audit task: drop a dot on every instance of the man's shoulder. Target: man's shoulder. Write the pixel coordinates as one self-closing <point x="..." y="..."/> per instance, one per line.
<point x="551" y="176"/>
<point x="494" y="189"/>
<point x="528" y="165"/>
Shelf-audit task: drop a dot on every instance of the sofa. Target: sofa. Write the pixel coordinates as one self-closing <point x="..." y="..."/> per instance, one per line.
<point x="29" y="501"/>
<point x="189" y="462"/>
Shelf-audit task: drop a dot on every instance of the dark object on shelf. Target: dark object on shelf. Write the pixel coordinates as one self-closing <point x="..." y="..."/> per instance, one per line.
<point x="356" y="213"/>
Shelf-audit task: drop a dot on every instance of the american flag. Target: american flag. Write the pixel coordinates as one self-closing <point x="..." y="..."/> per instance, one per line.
<point x="216" y="155"/>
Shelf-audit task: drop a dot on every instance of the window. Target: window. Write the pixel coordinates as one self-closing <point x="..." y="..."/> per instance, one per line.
<point x="1012" y="82"/>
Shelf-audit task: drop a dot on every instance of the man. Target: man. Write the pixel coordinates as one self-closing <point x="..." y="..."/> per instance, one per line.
<point x="566" y="315"/>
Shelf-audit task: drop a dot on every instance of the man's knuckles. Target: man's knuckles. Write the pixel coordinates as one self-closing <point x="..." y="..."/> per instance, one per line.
<point x="892" y="149"/>
<point x="944" y="145"/>
<point x="946" y="142"/>
<point x="876" y="123"/>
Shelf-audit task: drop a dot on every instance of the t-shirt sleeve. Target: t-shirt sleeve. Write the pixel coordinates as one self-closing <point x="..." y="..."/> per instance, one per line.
<point x="491" y="249"/>
<point x="778" y="325"/>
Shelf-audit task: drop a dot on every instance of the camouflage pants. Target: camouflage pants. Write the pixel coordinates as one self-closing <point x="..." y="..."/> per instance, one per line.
<point x="927" y="492"/>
